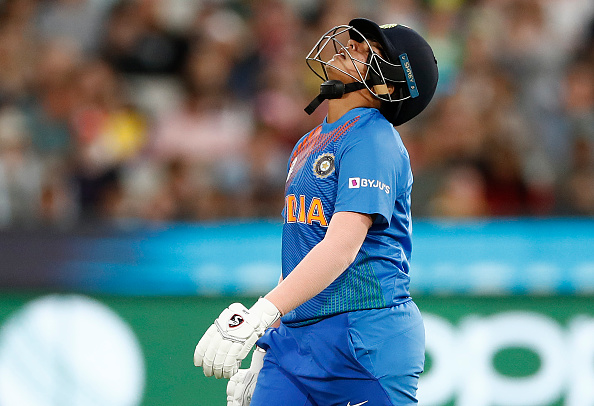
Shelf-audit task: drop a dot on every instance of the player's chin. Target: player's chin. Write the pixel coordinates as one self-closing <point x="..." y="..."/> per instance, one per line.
<point x="337" y="73"/>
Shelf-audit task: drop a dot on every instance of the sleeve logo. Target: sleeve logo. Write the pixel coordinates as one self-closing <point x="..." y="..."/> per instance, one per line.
<point x="356" y="183"/>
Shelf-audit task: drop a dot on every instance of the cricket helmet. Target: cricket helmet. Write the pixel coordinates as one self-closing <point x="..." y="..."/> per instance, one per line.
<point x="407" y="63"/>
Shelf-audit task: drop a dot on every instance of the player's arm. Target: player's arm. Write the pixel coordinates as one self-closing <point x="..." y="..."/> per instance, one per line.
<point x="324" y="263"/>
<point x="277" y="323"/>
<point x="228" y="341"/>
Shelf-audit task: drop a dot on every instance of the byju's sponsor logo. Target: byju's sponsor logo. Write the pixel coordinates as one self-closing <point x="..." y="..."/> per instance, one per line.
<point x="356" y="183"/>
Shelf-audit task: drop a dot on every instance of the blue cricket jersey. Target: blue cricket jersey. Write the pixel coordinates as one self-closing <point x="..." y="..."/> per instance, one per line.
<point x="357" y="164"/>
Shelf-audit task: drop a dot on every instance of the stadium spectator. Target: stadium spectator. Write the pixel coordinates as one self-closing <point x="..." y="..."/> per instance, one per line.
<point x="126" y="112"/>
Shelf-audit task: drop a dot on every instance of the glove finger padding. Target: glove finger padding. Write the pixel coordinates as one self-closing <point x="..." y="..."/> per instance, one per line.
<point x="231" y="337"/>
<point x="235" y="384"/>
<point x="225" y="358"/>
<point x="241" y="386"/>
<point x="203" y="345"/>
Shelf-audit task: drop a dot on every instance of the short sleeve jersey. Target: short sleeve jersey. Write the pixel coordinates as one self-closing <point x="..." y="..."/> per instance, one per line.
<point x="357" y="164"/>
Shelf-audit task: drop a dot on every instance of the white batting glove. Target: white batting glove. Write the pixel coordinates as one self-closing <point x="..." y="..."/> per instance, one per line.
<point x="241" y="385"/>
<point x="228" y="341"/>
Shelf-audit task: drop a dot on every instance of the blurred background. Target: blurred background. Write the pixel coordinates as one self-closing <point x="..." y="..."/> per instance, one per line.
<point x="143" y="153"/>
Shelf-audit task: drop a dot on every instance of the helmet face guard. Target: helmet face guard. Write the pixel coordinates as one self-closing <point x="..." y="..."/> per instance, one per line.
<point x="406" y="63"/>
<point x="378" y="73"/>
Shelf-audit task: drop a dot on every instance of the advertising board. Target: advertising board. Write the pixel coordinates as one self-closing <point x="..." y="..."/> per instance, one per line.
<point x="481" y="351"/>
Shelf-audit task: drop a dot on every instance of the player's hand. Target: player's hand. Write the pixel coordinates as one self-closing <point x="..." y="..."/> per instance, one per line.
<point x="241" y="385"/>
<point x="228" y="341"/>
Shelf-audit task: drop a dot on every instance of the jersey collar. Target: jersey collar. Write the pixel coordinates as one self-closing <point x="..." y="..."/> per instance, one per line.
<point x="349" y="115"/>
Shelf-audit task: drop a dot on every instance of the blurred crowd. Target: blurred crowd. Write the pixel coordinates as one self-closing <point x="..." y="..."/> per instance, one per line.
<point x="187" y="110"/>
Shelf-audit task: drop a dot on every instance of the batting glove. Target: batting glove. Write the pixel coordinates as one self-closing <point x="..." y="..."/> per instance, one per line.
<point x="228" y="341"/>
<point x="241" y="385"/>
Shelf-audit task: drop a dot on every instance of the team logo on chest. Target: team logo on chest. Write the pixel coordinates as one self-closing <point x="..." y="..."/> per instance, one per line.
<point x="324" y="165"/>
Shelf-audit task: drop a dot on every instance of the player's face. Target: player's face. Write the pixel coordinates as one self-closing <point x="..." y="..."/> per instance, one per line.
<point x="353" y="64"/>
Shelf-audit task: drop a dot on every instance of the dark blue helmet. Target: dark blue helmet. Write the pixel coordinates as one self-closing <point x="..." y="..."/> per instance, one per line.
<point x="406" y="62"/>
<point x="405" y="47"/>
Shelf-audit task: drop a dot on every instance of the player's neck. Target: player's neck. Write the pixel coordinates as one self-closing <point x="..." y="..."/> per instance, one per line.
<point x="339" y="107"/>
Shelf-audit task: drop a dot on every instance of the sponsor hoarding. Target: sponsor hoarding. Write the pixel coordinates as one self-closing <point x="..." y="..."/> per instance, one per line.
<point x="481" y="351"/>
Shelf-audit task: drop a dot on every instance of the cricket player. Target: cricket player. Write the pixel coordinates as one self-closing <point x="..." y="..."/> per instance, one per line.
<point x="349" y="333"/>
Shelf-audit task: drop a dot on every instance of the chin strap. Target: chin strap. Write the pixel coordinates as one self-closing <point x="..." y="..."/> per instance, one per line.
<point x="332" y="89"/>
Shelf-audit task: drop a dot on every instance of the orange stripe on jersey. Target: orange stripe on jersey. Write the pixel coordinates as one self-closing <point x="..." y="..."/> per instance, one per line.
<point x="307" y="141"/>
<point x="343" y="129"/>
<point x="315" y="141"/>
